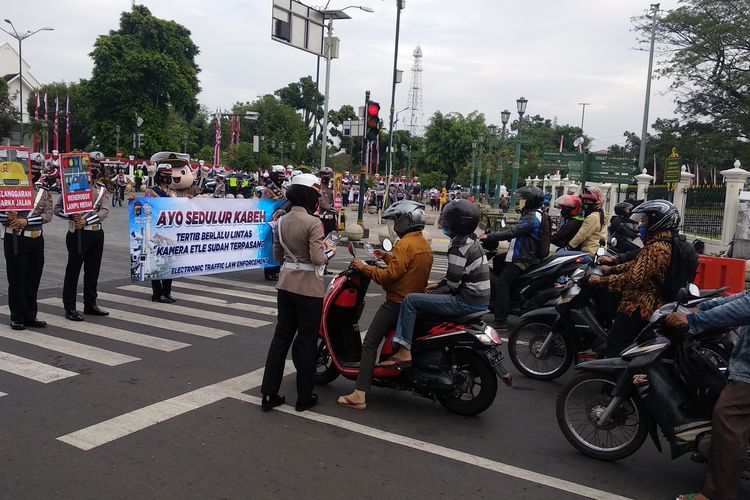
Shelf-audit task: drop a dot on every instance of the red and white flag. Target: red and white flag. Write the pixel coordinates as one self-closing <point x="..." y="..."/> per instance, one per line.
<point x="217" y="144"/>
<point x="233" y="131"/>
<point x="36" y="116"/>
<point x="237" y="131"/>
<point x="67" y="124"/>
<point x="46" y="126"/>
<point x="57" y="114"/>
<point x="562" y="142"/>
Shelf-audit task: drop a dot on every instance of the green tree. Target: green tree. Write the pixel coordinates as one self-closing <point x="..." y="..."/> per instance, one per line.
<point x="447" y="141"/>
<point x="144" y="69"/>
<point x="8" y="113"/>
<point x="81" y="116"/>
<point x="304" y="97"/>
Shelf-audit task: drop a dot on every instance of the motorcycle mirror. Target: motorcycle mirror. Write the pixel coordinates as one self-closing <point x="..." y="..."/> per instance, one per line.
<point x="351" y="249"/>
<point x="600" y="252"/>
<point x="387" y="245"/>
<point x="694" y="290"/>
<point x="613" y="242"/>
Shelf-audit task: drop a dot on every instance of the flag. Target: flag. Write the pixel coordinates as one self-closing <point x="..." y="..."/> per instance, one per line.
<point x="377" y="155"/>
<point x="562" y="142"/>
<point x="217" y="144"/>
<point x="57" y="114"/>
<point x="67" y="124"/>
<point x="36" y="117"/>
<point x="45" y="136"/>
<point x="237" y="132"/>
<point x="653" y="181"/>
<point x="231" y="131"/>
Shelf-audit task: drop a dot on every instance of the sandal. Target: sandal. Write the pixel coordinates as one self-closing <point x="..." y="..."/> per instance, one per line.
<point x="395" y="363"/>
<point x="348" y="403"/>
<point x="689" y="496"/>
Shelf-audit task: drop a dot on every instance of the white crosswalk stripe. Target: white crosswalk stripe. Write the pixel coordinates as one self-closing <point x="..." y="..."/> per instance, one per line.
<point x="3" y="394"/>
<point x="230" y="282"/>
<point x="202" y="299"/>
<point x="224" y="291"/>
<point x="166" y="324"/>
<point x="109" y="333"/>
<point x="83" y="351"/>
<point x="185" y="311"/>
<point x="33" y="370"/>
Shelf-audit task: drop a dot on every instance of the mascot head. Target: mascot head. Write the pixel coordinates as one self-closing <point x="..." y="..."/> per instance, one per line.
<point x="182" y="172"/>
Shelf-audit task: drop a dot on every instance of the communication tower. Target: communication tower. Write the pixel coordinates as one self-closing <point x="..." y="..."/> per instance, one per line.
<point x="415" y="94"/>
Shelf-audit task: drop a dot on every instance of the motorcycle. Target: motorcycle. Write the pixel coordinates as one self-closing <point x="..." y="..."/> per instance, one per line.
<point x="456" y="361"/>
<point x="546" y="341"/>
<point x="659" y="382"/>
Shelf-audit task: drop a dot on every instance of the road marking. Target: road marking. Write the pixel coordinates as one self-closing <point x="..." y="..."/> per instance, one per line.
<point x="441" y="451"/>
<point x="3" y="394"/>
<point x="64" y="346"/>
<point x="153" y="321"/>
<point x="31" y="369"/>
<point x="268" y="311"/>
<point x="137" y="420"/>
<point x="185" y="311"/>
<point x="224" y="291"/>
<point x="239" y="284"/>
<point x="108" y="332"/>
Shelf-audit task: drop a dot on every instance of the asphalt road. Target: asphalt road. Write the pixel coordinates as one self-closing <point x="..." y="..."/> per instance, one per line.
<point x="162" y="403"/>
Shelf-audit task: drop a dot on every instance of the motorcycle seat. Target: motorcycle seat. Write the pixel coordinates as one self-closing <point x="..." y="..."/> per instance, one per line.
<point x="428" y="319"/>
<point x="470" y="318"/>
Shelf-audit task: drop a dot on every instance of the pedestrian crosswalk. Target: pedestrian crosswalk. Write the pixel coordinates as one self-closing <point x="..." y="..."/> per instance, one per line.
<point x="209" y="308"/>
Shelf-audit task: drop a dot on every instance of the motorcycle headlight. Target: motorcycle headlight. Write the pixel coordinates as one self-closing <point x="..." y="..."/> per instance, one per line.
<point x="489" y="336"/>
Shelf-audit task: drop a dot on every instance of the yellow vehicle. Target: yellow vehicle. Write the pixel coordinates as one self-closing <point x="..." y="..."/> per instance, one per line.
<point x="13" y="174"/>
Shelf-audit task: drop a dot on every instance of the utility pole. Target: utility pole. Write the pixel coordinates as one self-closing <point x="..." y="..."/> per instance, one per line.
<point x="583" y="112"/>
<point x="644" y="130"/>
<point x="363" y="169"/>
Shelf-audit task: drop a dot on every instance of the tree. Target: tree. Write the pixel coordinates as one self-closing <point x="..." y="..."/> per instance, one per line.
<point x="447" y="141"/>
<point x="8" y="113"/>
<point x="81" y="116"/>
<point x="303" y="96"/>
<point x="144" y="69"/>
<point x="705" y="51"/>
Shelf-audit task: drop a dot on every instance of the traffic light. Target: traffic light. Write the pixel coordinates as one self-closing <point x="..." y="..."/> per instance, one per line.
<point x="373" y="121"/>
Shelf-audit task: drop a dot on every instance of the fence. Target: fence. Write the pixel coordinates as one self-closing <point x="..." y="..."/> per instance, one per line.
<point x="661" y="192"/>
<point x="704" y="210"/>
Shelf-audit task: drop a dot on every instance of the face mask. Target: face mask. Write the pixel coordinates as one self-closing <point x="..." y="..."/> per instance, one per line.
<point x="448" y="232"/>
<point x="521" y="203"/>
<point x="643" y="232"/>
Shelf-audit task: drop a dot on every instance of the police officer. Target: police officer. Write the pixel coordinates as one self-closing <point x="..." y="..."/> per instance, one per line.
<point x="274" y="190"/>
<point x="138" y="178"/>
<point x="327" y="214"/>
<point x="37" y="165"/>
<point x="24" y="258"/>
<point x="220" y="190"/>
<point x="85" y="243"/>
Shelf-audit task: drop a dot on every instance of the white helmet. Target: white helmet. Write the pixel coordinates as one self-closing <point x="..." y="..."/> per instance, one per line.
<point x="295" y="173"/>
<point x="308" y="180"/>
<point x="278" y="169"/>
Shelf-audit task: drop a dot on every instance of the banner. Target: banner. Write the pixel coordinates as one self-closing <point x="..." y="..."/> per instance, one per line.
<point x="180" y="237"/>
<point x="77" y="192"/>
<point x="16" y="191"/>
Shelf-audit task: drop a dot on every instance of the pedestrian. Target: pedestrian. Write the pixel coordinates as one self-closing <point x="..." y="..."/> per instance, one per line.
<point x="326" y="213"/>
<point x="275" y="191"/>
<point x="220" y="190"/>
<point x="85" y="244"/>
<point x="161" y="289"/>
<point x="138" y="179"/>
<point x="23" y="246"/>
<point x="299" y="243"/>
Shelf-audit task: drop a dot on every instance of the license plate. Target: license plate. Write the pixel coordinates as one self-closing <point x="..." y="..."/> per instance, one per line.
<point x="494" y="356"/>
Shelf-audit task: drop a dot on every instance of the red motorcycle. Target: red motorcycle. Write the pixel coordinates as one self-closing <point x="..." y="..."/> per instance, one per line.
<point x="455" y="361"/>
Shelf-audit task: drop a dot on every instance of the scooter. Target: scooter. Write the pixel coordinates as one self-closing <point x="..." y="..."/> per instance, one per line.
<point x="659" y="382"/>
<point x="546" y="341"/>
<point x="454" y="360"/>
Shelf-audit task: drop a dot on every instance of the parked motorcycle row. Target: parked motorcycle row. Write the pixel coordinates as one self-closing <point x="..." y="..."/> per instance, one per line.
<point x="665" y="383"/>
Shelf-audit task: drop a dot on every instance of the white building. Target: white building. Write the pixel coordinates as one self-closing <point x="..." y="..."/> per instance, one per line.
<point x="9" y="71"/>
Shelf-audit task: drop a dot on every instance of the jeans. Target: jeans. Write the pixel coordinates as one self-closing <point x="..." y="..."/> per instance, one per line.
<point x="426" y="303"/>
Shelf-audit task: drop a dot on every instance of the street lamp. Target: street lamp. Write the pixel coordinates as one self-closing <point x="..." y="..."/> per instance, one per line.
<point x="521" y="107"/>
<point x="480" y="157"/>
<point x="21" y="37"/>
<point x="330" y="15"/>
<point x="504" y="118"/>
<point x="472" y="186"/>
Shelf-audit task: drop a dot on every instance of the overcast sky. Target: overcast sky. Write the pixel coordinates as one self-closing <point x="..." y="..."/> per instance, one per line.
<point x="478" y="54"/>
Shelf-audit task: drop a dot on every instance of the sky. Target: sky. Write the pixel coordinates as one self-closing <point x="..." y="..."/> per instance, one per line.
<point x="478" y="54"/>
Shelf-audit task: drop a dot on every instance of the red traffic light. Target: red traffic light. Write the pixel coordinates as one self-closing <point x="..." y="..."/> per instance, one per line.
<point x="373" y="109"/>
<point x="373" y="121"/>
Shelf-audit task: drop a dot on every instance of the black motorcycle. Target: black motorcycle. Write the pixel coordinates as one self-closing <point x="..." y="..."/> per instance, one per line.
<point x="662" y="381"/>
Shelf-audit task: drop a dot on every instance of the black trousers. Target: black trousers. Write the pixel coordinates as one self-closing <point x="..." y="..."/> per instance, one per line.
<point x="161" y="287"/>
<point x="623" y="332"/>
<point x="385" y="320"/>
<point x="300" y="315"/>
<point x="24" y="272"/>
<point x="504" y="283"/>
<point x="329" y="225"/>
<point x="90" y="257"/>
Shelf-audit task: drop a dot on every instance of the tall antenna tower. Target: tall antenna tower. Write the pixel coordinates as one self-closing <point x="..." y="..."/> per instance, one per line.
<point x="415" y="94"/>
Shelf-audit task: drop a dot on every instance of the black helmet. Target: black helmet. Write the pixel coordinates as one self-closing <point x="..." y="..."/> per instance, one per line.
<point x="533" y="195"/>
<point x="623" y="209"/>
<point x="661" y="215"/>
<point x="325" y="172"/>
<point x="408" y="216"/>
<point x="460" y="217"/>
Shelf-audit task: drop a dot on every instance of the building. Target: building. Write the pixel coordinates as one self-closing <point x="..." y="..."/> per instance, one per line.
<point x="9" y="71"/>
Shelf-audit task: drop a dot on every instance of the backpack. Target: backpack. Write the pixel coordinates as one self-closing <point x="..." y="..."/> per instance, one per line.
<point x="682" y="268"/>
<point x="545" y="234"/>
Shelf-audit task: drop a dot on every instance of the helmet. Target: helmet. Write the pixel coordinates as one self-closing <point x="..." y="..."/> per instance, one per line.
<point x="278" y="169"/>
<point x="533" y="196"/>
<point x="623" y="209"/>
<point x="326" y="172"/>
<point x="460" y="217"/>
<point x="308" y="180"/>
<point x="570" y="206"/>
<point x="659" y="215"/>
<point x="295" y="173"/>
<point x="408" y="216"/>
<point x="94" y="156"/>
<point x="37" y="159"/>
<point x="592" y="199"/>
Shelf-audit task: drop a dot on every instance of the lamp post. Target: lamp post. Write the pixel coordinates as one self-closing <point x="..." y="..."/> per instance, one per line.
<point x="330" y="15"/>
<point x="521" y="107"/>
<point x="480" y="158"/>
<point x="400" y="5"/>
<point x="504" y="117"/>
<point x="473" y="186"/>
<point x="491" y="134"/>
<point x="644" y="129"/>
<point x="21" y="37"/>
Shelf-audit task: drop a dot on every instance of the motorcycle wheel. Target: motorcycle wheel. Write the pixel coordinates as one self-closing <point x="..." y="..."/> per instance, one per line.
<point x="478" y="385"/>
<point x="325" y="371"/>
<point x="524" y="344"/>
<point x="579" y="405"/>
